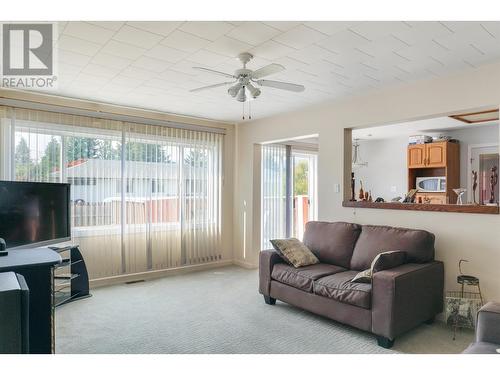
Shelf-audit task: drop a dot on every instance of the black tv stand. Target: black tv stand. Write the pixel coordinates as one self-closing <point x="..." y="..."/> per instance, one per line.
<point x="71" y="280"/>
<point x="37" y="267"/>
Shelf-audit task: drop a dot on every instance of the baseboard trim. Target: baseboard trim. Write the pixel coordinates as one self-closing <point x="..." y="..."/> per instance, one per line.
<point x="149" y="275"/>
<point x="243" y="264"/>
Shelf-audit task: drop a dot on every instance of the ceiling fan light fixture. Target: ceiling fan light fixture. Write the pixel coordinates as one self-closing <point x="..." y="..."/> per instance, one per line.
<point x="254" y="91"/>
<point x="233" y="90"/>
<point x="241" y="97"/>
<point x="247" y="79"/>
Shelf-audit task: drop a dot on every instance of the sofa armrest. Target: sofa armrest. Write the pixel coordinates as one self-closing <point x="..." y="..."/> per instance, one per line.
<point x="267" y="260"/>
<point x="488" y="323"/>
<point x="405" y="296"/>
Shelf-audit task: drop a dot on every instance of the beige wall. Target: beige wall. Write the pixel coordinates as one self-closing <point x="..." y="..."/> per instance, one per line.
<point x="469" y="236"/>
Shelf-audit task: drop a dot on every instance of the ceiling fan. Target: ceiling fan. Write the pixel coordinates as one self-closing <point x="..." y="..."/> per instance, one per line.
<point x="244" y="80"/>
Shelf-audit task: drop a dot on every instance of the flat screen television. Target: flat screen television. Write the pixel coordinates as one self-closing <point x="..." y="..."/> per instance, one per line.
<point x="34" y="213"/>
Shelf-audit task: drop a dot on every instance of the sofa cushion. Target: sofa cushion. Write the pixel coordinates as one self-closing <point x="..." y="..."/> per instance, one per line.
<point x="294" y="252"/>
<point x="383" y="261"/>
<point x="374" y="239"/>
<point x="340" y="288"/>
<point x="332" y="243"/>
<point x="303" y="277"/>
<point x="388" y="260"/>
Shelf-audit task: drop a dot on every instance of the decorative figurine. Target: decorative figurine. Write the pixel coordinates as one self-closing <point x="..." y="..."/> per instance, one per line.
<point x="370" y="199"/>
<point x="474" y="186"/>
<point x="493" y="183"/>
<point x="361" y="191"/>
<point x="353" y="188"/>
<point x="366" y="196"/>
<point x="459" y="192"/>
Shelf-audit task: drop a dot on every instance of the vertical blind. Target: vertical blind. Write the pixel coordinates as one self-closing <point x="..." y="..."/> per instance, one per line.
<point x="143" y="197"/>
<point x="273" y="181"/>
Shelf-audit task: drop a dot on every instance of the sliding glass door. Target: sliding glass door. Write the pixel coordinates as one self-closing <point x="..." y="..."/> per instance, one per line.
<point x="273" y="192"/>
<point x="288" y="192"/>
<point x="304" y="190"/>
<point x="143" y="197"/>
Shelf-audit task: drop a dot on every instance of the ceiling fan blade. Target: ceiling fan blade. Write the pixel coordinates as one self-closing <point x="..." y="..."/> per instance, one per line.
<point x="211" y="86"/>
<point x="281" y="85"/>
<point x="267" y="70"/>
<point x="213" y="71"/>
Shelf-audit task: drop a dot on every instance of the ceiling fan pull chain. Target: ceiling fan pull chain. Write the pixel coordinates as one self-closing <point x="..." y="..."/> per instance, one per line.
<point x="243" y="110"/>
<point x="249" y="109"/>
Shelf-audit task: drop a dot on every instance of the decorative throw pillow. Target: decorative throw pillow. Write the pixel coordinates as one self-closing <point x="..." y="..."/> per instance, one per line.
<point x="382" y="261"/>
<point x="294" y="252"/>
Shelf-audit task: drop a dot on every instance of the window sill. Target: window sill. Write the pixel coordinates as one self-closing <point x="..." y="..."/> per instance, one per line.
<point x="472" y="209"/>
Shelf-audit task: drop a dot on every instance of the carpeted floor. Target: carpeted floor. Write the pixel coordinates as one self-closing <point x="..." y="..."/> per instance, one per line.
<point x="218" y="311"/>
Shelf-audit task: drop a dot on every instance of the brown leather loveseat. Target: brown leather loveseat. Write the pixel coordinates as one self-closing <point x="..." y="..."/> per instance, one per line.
<point x="397" y="300"/>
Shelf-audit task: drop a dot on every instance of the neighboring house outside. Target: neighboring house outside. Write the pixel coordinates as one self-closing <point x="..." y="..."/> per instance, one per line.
<point x="98" y="180"/>
<point x="151" y="193"/>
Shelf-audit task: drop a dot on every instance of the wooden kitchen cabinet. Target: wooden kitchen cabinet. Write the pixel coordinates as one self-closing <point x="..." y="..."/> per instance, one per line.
<point x="428" y="155"/>
<point x="435" y="154"/>
<point x="416" y="156"/>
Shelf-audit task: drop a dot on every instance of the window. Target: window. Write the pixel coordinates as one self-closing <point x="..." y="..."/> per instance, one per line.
<point x="169" y="212"/>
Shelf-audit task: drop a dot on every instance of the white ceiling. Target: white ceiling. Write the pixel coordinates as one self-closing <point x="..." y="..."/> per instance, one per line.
<point x="149" y="64"/>
<point x="431" y="126"/>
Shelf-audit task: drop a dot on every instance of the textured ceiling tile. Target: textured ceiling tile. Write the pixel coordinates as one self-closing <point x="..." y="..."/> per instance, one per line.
<point x="421" y="31"/>
<point x="184" y="41"/>
<point x="123" y="50"/>
<point x="166" y="53"/>
<point x="111" y="61"/>
<point x="378" y="30"/>
<point x="73" y="58"/>
<point x="300" y="36"/>
<point x="152" y="64"/>
<point x="253" y="33"/>
<point x="228" y="46"/>
<point x="137" y="37"/>
<point x="207" y="29"/>
<point x="343" y="40"/>
<point x="77" y="45"/>
<point x="330" y="28"/>
<point x="207" y="58"/>
<point x="88" y="32"/>
<point x="282" y="25"/>
<point x="101" y="71"/>
<point x="110" y="25"/>
<point x="271" y="50"/>
<point x="162" y="28"/>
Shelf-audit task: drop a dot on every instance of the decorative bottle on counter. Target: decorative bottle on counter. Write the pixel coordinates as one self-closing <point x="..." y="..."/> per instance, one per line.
<point x="361" y="191"/>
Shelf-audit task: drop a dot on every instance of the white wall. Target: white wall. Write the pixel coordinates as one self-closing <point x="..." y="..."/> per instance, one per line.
<point x="386" y="167"/>
<point x="472" y="136"/>
<point x="387" y="164"/>
<point x="470" y="236"/>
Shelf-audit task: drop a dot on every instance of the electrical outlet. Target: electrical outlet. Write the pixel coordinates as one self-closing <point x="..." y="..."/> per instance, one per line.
<point x="336" y="188"/>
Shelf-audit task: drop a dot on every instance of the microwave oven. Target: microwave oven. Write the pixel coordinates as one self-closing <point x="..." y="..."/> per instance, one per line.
<point x="431" y="184"/>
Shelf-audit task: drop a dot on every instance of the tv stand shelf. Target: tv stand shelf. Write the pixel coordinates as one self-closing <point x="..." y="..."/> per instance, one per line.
<point x="71" y="281"/>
